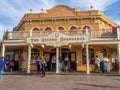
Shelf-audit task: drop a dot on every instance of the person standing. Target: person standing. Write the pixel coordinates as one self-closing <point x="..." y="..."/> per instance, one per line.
<point x="38" y="63"/>
<point x="43" y="66"/>
<point x="97" y="64"/>
<point x="2" y="64"/>
<point x="106" y="64"/>
<point x="66" y="63"/>
<point x="116" y="65"/>
<point x="11" y="65"/>
<point x="60" y="63"/>
<point x="7" y="60"/>
<point x="102" y="65"/>
<point x="53" y="61"/>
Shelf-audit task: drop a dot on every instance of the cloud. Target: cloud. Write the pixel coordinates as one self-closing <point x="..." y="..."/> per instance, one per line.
<point x="118" y="22"/>
<point x="101" y="5"/>
<point x="14" y="10"/>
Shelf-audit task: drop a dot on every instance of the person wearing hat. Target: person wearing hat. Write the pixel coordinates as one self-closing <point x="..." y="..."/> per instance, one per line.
<point x="1" y="66"/>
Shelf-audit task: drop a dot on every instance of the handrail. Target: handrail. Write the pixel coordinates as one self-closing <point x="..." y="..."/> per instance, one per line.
<point x="93" y="33"/>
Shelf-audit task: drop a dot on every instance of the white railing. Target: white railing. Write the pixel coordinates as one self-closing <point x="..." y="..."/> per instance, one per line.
<point x="93" y="34"/>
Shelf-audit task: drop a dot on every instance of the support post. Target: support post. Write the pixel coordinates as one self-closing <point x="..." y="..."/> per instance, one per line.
<point x="31" y="33"/>
<point x="118" y="48"/>
<point x="87" y="58"/>
<point x="57" y="60"/>
<point x="118" y="33"/>
<point x="29" y="57"/>
<point x="3" y="50"/>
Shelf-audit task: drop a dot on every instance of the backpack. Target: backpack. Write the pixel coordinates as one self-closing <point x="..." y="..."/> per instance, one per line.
<point x="11" y="64"/>
<point x="38" y="62"/>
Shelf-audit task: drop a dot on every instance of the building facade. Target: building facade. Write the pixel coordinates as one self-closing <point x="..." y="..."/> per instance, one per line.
<point x="63" y="31"/>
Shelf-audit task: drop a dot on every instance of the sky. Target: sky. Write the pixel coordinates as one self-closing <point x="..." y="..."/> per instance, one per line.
<point x="11" y="11"/>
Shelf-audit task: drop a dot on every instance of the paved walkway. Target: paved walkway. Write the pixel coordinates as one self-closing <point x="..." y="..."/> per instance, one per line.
<point x="112" y="73"/>
<point x="60" y="82"/>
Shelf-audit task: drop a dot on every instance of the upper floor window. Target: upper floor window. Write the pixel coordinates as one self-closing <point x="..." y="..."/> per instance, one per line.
<point x="60" y="28"/>
<point x="35" y="29"/>
<point x="48" y="29"/>
<point x="91" y="55"/>
<point x="85" y="28"/>
<point x="73" y="28"/>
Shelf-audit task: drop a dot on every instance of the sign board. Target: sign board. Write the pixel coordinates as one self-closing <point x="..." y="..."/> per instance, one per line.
<point x="57" y="39"/>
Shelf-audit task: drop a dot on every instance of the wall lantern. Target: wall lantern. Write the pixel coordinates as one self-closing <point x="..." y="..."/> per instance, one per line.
<point x="70" y="45"/>
<point x="82" y="44"/>
<point x="43" y="46"/>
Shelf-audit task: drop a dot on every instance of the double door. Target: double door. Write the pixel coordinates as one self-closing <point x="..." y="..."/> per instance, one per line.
<point x="71" y="56"/>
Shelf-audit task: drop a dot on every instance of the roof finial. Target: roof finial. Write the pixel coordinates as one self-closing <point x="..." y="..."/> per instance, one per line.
<point x="42" y="10"/>
<point x="30" y="10"/>
<point x="78" y="8"/>
<point x="91" y="7"/>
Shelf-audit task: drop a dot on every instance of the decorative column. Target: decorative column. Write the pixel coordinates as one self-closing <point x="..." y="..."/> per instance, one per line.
<point x="29" y="58"/>
<point x="57" y="60"/>
<point x="118" y="33"/>
<point x="118" y="48"/>
<point x="87" y="59"/>
<point x="31" y="33"/>
<point x="3" y="49"/>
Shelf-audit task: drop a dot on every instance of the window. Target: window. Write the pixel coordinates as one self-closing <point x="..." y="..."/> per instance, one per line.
<point x="85" y="28"/>
<point x="73" y="30"/>
<point x="91" y="56"/>
<point x="34" y="54"/>
<point x="61" y="28"/>
<point x="36" y="29"/>
<point x="48" y="29"/>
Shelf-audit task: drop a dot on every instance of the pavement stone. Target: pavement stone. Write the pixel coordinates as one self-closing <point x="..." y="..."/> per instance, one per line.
<point x="52" y="81"/>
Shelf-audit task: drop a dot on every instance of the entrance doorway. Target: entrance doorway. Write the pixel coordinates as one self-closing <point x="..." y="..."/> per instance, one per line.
<point x="64" y="52"/>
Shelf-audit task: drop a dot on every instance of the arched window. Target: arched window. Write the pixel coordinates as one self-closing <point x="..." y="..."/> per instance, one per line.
<point x="86" y="27"/>
<point x="34" y="50"/>
<point x="48" y="29"/>
<point x="60" y="28"/>
<point x="64" y="50"/>
<point x="73" y="28"/>
<point x="35" y="29"/>
<point x="91" y="56"/>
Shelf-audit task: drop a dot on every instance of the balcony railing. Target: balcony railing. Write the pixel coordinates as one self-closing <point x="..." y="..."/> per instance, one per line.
<point x="93" y="34"/>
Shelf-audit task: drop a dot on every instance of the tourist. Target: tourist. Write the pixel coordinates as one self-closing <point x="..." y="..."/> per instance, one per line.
<point x="60" y="63"/>
<point x="43" y="66"/>
<point x="53" y="61"/>
<point x="106" y="64"/>
<point x="66" y="63"/>
<point x="38" y="63"/>
<point x="97" y="64"/>
<point x="11" y="65"/>
<point x="2" y="65"/>
<point x="102" y="64"/>
<point x="116" y="65"/>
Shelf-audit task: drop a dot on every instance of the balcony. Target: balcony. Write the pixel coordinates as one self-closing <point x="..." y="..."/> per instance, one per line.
<point x="96" y="34"/>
